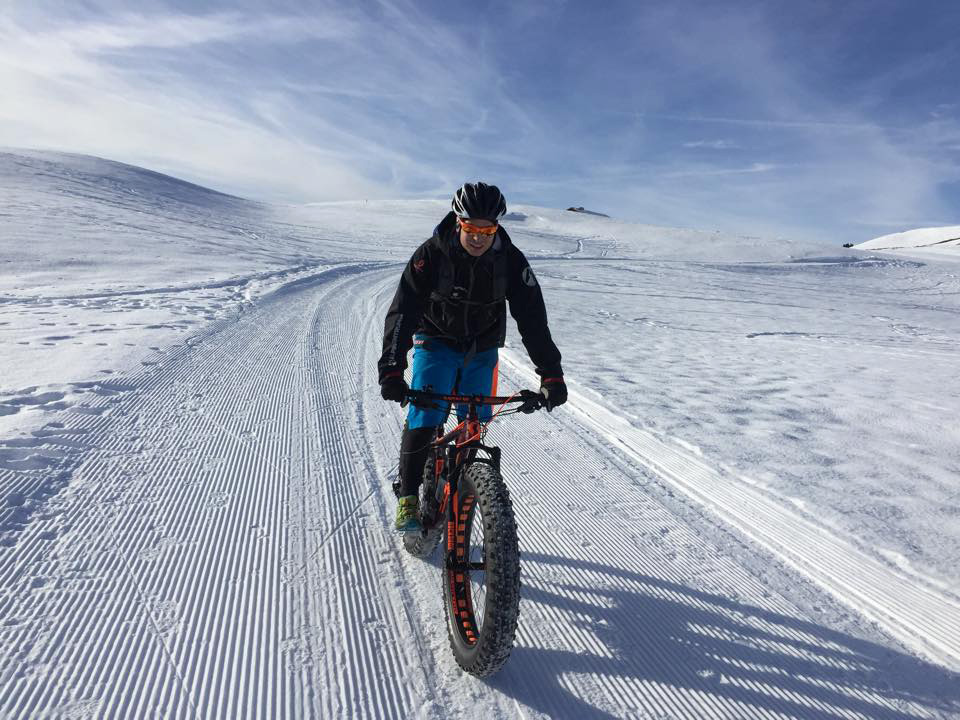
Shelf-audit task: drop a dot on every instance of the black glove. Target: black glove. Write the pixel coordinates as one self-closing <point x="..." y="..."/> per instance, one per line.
<point x="394" y="387"/>
<point x="554" y="391"/>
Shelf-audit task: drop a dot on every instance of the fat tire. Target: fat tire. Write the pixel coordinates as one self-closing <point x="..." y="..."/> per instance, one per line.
<point x="422" y="544"/>
<point x="502" y="576"/>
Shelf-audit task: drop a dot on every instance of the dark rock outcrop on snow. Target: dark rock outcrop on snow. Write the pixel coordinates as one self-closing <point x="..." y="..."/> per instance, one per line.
<point x="586" y="212"/>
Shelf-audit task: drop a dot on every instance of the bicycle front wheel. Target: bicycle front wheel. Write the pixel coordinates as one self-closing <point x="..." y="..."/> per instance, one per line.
<point x="482" y="577"/>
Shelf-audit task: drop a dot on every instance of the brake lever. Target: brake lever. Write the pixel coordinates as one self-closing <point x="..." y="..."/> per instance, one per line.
<point x="532" y="402"/>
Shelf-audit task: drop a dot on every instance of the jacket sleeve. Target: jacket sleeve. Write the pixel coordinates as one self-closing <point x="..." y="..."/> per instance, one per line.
<point x="405" y="311"/>
<point x="527" y="308"/>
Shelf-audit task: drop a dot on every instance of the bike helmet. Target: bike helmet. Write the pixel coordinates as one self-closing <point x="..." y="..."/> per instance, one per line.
<point x="479" y="201"/>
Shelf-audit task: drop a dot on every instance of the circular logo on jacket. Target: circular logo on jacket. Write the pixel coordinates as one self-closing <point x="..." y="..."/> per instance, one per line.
<point x="529" y="279"/>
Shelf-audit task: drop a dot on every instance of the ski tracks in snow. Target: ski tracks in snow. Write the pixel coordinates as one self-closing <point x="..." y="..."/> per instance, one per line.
<point x="221" y="547"/>
<point x="207" y="558"/>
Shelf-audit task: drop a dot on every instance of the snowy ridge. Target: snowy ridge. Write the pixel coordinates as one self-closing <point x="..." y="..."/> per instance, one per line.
<point x="241" y="281"/>
<point x="942" y="240"/>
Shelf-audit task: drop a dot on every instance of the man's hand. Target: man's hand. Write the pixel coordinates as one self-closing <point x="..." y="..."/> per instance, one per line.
<point x="554" y="391"/>
<point x="394" y="387"/>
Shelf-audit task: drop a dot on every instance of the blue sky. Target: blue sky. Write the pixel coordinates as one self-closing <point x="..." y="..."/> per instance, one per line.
<point x="790" y="119"/>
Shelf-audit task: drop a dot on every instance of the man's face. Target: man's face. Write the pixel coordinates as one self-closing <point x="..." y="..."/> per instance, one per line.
<point x="475" y="243"/>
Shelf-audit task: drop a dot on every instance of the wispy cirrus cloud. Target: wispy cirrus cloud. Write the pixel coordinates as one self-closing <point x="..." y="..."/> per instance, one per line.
<point x="692" y="115"/>
<point x="708" y="172"/>
<point x="712" y="144"/>
<point x="323" y="103"/>
<point x="91" y="86"/>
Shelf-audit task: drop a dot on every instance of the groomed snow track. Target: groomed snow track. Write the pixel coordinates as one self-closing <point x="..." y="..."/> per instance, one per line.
<point x="217" y="544"/>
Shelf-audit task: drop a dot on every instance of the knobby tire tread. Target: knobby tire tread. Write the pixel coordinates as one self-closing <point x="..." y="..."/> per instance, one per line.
<point x="502" y="576"/>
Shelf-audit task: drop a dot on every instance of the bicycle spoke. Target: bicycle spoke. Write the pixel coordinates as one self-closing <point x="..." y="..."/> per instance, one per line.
<point x="478" y="577"/>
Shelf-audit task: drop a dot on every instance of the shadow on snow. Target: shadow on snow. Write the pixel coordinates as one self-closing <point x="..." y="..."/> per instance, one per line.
<point x="697" y="653"/>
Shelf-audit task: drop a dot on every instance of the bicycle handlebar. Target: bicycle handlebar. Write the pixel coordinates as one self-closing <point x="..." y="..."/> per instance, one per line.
<point x="531" y="400"/>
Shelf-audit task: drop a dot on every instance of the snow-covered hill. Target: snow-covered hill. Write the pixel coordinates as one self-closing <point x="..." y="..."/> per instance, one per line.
<point x="941" y="240"/>
<point x="747" y="509"/>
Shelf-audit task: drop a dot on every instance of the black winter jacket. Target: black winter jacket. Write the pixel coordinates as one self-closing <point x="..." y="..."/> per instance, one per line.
<point x="472" y="317"/>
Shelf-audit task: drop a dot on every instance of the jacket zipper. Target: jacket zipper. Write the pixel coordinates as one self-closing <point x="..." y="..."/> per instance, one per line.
<point x="466" y="307"/>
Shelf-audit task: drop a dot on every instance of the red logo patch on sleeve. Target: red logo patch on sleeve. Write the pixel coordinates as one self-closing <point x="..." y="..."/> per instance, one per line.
<point x="419" y="265"/>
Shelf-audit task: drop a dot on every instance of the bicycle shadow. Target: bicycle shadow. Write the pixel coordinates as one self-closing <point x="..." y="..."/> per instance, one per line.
<point x="696" y="653"/>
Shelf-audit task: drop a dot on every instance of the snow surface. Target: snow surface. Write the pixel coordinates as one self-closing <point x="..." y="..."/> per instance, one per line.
<point x="941" y="240"/>
<point x="748" y="508"/>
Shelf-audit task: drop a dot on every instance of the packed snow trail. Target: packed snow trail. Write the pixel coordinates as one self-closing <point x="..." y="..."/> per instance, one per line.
<point x="217" y="544"/>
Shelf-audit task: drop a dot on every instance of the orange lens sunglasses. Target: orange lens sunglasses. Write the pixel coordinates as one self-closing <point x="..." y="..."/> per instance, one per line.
<point x="474" y="230"/>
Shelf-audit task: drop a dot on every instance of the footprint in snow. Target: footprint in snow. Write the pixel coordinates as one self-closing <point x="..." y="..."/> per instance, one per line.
<point x="79" y="710"/>
<point x="165" y="615"/>
<point x="296" y="655"/>
<point x="218" y="500"/>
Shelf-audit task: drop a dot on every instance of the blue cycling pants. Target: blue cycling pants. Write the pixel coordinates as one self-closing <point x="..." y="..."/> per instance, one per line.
<point x="437" y="365"/>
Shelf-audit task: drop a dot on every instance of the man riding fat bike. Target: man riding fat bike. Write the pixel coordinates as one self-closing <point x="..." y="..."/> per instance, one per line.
<point x="450" y="306"/>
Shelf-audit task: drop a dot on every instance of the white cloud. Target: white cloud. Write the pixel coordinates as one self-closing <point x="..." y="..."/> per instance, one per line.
<point x="709" y="172"/>
<point x="327" y="100"/>
<point x="66" y="89"/>
<point x="349" y="104"/>
<point x="139" y="31"/>
<point x="712" y="144"/>
<point x="822" y="159"/>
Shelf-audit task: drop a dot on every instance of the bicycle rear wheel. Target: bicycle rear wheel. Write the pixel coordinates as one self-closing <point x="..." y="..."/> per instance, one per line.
<point x="482" y="587"/>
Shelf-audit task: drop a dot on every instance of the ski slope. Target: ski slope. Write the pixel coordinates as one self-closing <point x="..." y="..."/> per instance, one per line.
<point x="197" y="504"/>
<point x="944" y="241"/>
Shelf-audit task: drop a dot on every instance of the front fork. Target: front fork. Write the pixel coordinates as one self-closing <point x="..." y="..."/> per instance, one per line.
<point x="453" y="501"/>
<point x="456" y="545"/>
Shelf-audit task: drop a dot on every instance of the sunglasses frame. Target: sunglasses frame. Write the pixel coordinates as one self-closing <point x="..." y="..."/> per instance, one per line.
<point x="471" y="229"/>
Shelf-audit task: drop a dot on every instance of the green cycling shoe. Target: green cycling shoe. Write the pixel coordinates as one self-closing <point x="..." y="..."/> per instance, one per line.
<point x="408" y="514"/>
